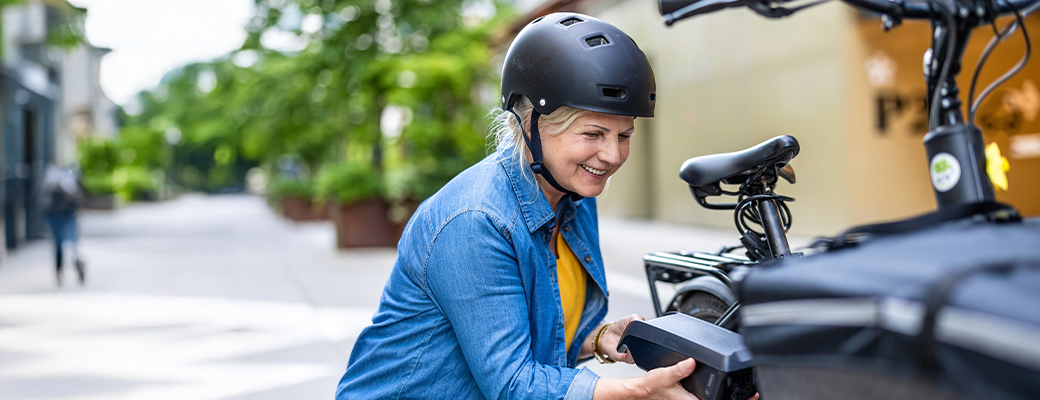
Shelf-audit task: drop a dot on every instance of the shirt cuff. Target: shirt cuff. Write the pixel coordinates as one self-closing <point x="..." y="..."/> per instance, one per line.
<point x="583" y="385"/>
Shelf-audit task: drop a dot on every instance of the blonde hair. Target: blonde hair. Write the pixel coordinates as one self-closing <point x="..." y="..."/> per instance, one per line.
<point x="507" y="133"/>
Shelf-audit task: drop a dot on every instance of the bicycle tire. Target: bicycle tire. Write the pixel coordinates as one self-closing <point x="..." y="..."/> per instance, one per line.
<point x="701" y="305"/>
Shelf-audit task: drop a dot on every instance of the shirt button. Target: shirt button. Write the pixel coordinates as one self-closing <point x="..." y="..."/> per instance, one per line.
<point x="566" y="228"/>
<point x="588" y="259"/>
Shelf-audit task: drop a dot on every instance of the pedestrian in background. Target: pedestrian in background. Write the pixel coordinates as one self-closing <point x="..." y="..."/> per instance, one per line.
<point x="61" y="196"/>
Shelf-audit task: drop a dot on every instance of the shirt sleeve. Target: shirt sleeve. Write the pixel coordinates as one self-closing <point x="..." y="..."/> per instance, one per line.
<point x="472" y="274"/>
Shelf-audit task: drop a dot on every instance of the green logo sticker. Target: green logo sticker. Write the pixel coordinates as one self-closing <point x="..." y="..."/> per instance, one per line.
<point x="946" y="172"/>
<point x="941" y="166"/>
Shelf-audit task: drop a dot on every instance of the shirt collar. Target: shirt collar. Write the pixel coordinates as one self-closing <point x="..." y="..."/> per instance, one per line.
<point x="534" y="207"/>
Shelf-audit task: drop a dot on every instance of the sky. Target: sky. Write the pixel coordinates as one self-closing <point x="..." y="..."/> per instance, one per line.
<point x="148" y="38"/>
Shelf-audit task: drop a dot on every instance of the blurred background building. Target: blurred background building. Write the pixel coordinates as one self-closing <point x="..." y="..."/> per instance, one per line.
<point x="852" y="94"/>
<point x="50" y="97"/>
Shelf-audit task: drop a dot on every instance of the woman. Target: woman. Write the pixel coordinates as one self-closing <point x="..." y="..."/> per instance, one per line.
<point x="499" y="290"/>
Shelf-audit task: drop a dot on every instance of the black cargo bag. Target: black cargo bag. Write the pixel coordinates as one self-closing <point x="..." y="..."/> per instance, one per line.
<point x="951" y="312"/>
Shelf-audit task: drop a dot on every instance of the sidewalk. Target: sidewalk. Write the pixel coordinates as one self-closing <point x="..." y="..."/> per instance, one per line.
<point x="218" y="298"/>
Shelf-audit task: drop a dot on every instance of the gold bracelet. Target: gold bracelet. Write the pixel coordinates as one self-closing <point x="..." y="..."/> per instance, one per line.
<point x="602" y="357"/>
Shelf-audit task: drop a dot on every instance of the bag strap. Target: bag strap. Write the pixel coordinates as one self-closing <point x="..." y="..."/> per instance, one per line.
<point x="993" y="210"/>
<point x="937" y="298"/>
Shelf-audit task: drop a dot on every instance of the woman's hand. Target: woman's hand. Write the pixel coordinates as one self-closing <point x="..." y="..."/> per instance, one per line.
<point x="608" y="343"/>
<point x="658" y="383"/>
<point x="612" y="336"/>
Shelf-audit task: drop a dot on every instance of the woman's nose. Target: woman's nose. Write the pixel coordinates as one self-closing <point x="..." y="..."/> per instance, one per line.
<point x="610" y="152"/>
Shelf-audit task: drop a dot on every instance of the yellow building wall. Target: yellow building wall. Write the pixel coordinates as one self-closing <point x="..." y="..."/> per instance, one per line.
<point x="732" y="79"/>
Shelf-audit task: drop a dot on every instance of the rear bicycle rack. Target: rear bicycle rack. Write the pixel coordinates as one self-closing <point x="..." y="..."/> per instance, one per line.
<point x="677" y="267"/>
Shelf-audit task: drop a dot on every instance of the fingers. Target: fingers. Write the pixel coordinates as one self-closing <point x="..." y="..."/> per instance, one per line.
<point x="621" y="324"/>
<point x="673" y="374"/>
<point x="681" y="370"/>
<point x="663" y="383"/>
<point x="612" y="337"/>
<point x="626" y="357"/>
<point x="633" y="317"/>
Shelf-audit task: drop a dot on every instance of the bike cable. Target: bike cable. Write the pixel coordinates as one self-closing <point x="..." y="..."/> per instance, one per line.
<point x="747" y="205"/>
<point x="747" y="212"/>
<point x="999" y="37"/>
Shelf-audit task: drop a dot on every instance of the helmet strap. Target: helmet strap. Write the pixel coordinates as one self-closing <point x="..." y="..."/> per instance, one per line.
<point x="534" y="143"/>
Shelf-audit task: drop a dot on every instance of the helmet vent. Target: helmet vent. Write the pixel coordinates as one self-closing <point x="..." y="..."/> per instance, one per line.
<point x="537" y="19"/>
<point x="571" y="21"/>
<point x="653" y="96"/>
<point x="616" y="93"/>
<point x="597" y="40"/>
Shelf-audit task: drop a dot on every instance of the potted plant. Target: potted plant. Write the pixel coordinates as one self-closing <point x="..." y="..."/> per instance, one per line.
<point x="359" y="209"/>
<point x="136" y="182"/>
<point x="295" y="197"/>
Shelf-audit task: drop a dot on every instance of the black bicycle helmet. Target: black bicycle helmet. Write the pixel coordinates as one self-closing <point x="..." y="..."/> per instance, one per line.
<point x="569" y="59"/>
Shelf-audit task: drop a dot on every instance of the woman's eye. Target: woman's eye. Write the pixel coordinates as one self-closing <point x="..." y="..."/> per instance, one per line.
<point x="592" y="134"/>
<point x="623" y="138"/>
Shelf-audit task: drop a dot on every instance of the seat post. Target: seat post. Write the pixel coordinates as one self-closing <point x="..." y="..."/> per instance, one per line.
<point x="774" y="229"/>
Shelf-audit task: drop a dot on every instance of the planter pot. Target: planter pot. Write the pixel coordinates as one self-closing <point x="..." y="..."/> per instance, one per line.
<point x="303" y="209"/>
<point x="100" y="201"/>
<point x="364" y="224"/>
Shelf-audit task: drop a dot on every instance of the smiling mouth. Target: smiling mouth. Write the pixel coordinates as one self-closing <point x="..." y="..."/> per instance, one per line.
<point x="597" y="172"/>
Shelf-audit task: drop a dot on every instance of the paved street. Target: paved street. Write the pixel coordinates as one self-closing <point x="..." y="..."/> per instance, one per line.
<point x="219" y="298"/>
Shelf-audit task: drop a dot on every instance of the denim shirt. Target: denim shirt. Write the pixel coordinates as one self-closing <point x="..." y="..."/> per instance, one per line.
<point x="472" y="307"/>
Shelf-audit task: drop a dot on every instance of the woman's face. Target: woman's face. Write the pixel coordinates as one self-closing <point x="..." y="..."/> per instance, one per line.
<point x="583" y="156"/>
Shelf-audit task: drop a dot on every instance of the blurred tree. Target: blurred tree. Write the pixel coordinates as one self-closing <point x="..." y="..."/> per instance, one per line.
<point x="98" y="159"/>
<point x="194" y="115"/>
<point x="66" y="30"/>
<point x="400" y="84"/>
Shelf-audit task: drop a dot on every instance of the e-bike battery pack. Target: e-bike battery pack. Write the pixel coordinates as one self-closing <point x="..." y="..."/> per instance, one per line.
<point x="723" y="370"/>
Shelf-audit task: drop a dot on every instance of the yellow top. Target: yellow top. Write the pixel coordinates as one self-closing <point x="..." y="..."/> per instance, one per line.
<point x="571" y="276"/>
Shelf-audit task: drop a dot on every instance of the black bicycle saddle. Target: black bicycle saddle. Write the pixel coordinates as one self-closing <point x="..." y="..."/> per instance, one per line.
<point x="713" y="168"/>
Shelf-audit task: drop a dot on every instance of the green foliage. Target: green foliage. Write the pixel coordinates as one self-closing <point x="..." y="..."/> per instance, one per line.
<point x="98" y="159"/>
<point x="69" y="32"/>
<point x="447" y="131"/>
<point x="135" y="182"/>
<point x="325" y="102"/>
<point x="280" y="187"/>
<point x="349" y="182"/>
<point x="98" y="183"/>
<point x="130" y="166"/>
<point x="144" y="147"/>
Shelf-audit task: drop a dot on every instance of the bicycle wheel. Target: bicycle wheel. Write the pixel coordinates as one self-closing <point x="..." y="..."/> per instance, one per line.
<point x="702" y="305"/>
